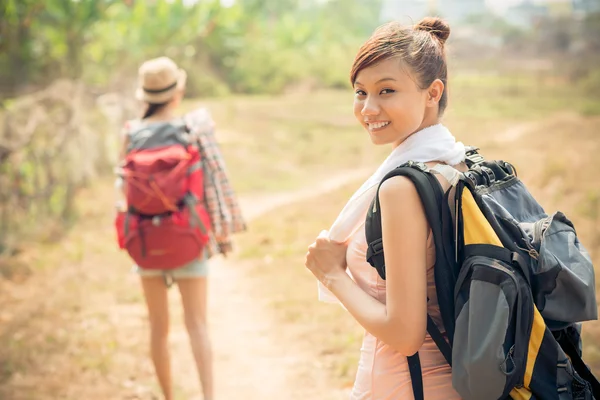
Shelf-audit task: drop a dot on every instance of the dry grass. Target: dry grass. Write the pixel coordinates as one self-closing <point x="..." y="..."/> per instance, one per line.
<point x="555" y="155"/>
<point x="63" y="328"/>
<point x="280" y="143"/>
<point x="271" y="145"/>
<point x="277" y="242"/>
<point x="560" y="164"/>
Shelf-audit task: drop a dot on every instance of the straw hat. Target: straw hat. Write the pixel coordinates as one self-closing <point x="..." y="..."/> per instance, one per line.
<point x="158" y="80"/>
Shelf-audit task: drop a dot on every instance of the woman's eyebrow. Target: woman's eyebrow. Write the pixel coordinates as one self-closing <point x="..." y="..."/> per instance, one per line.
<point x="379" y="81"/>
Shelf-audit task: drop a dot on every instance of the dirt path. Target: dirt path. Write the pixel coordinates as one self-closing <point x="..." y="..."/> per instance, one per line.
<point x="80" y="331"/>
<point x="251" y="359"/>
<point x="254" y="346"/>
<point x="517" y="131"/>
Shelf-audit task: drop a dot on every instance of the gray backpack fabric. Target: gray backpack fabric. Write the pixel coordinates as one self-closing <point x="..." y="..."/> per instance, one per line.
<point x="562" y="270"/>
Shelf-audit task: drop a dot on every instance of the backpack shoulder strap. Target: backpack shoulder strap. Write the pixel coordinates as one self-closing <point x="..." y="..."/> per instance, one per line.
<point x="431" y="195"/>
<point x="433" y="199"/>
<point x="416" y="377"/>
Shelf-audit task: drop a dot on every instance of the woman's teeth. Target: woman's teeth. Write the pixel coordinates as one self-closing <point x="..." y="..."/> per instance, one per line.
<point x="378" y="125"/>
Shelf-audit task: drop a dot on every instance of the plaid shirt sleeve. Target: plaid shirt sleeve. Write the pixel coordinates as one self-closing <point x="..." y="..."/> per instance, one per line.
<point x="220" y="199"/>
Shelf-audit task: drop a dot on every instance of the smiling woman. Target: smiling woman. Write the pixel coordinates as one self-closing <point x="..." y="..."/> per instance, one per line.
<point x="399" y="77"/>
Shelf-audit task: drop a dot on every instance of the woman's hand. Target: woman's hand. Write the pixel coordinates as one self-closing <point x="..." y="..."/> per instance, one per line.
<point x="326" y="258"/>
<point x="224" y="243"/>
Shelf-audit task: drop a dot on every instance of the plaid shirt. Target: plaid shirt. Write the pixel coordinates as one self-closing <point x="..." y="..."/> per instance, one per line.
<point x="220" y="199"/>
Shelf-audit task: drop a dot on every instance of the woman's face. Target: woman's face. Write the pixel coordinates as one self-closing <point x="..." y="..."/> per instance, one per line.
<point x="390" y="105"/>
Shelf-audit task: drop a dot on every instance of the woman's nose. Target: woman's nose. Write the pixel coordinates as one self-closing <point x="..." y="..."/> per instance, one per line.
<point x="370" y="107"/>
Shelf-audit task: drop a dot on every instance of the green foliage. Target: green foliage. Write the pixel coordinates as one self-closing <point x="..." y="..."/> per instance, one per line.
<point x="251" y="46"/>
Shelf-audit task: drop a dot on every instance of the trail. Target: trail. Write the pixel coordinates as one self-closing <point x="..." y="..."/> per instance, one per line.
<point x="251" y="359"/>
<point x="76" y="328"/>
<point x="85" y="322"/>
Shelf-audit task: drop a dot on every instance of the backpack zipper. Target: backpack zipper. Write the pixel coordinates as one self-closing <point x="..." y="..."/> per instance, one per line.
<point x="498" y="267"/>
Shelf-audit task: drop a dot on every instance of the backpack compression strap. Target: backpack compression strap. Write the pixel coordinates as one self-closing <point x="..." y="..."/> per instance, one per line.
<point x="432" y="197"/>
<point x="416" y="377"/>
<point x="579" y="365"/>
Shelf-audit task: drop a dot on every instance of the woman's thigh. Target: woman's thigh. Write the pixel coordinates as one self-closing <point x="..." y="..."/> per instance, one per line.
<point x="194" y="299"/>
<point x="155" y="293"/>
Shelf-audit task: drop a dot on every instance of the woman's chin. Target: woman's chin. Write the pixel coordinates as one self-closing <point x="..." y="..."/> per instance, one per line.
<point x="378" y="139"/>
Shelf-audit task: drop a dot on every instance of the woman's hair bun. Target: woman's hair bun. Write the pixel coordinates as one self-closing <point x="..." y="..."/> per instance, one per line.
<point x="436" y="26"/>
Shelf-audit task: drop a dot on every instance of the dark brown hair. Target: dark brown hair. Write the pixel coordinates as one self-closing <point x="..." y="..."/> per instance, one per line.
<point x="420" y="48"/>
<point x="152" y="108"/>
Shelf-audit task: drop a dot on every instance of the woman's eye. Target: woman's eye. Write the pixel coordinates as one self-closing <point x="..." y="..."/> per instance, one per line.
<point x="360" y="93"/>
<point x="387" y="91"/>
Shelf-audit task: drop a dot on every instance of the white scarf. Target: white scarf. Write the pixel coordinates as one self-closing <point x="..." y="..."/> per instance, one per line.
<point x="434" y="143"/>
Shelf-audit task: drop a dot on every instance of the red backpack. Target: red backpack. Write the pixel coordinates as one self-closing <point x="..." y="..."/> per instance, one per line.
<point x="166" y="224"/>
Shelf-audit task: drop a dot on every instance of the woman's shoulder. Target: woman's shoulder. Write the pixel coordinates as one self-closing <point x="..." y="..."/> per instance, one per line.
<point x="396" y="187"/>
<point x="400" y="200"/>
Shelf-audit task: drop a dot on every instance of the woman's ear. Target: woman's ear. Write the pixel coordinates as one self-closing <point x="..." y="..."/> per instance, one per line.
<point x="434" y="93"/>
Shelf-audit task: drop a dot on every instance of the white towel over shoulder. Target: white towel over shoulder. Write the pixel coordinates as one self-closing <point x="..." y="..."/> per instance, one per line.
<point x="434" y="143"/>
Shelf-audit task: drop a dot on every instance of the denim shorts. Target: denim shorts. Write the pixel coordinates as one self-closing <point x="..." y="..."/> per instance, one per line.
<point x="195" y="269"/>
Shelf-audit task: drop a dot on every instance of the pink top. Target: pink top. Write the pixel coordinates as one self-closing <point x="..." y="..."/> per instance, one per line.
<point x="383" y="372"/>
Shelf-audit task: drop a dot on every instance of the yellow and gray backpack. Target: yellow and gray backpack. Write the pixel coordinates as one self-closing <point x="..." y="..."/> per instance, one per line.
<point x="513" y="284"/>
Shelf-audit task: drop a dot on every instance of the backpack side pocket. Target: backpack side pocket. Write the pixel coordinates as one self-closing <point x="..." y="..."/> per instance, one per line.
<point x="494" y="314"/>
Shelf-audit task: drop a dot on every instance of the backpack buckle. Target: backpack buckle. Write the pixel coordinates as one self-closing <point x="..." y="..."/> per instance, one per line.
<point x="509" y="168"/>
<point x="472" y="157"/>
<point x="471" y="177"/>
<point x="418" y="165"/>
<point x="489" y="174"/>
<point x="481" y="173"/>
<point x="156" y="220"/>
<point x="375" y="247"/>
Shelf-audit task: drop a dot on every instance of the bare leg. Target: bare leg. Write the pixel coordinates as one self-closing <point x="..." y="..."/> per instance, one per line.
<point x="193" y="295"/>
<point x="155" y="292"/>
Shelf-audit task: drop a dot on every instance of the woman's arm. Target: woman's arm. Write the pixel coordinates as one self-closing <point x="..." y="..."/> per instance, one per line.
<point x="402" y="322"/>
<point x="220" y="199"/>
